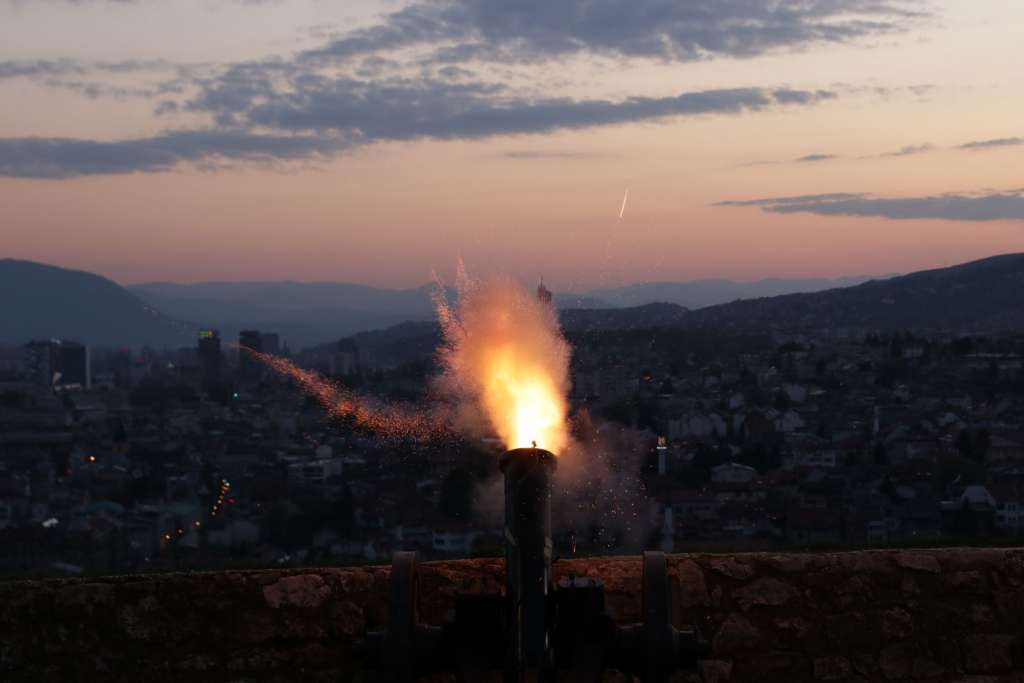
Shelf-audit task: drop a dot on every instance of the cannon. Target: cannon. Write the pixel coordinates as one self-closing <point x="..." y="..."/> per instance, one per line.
<point x="534" y="630"/>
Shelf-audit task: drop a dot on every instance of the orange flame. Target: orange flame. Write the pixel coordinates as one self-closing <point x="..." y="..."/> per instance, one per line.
<point x="505" y="354"/>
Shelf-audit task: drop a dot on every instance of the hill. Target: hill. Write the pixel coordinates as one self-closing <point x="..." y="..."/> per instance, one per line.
<point x="39" y="301"/>
<point x="284" y="300"/>
<point x="701" y="293"/>
<point x="635" y="317"/>
<point x="417" y="341"/>
<point x="983" y="295"/>
<point x="304" y="313"/>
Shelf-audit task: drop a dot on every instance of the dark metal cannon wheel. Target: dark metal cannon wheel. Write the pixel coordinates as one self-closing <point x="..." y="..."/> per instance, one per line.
<point x="403" y="617"/>
<point x="657" y="619"/>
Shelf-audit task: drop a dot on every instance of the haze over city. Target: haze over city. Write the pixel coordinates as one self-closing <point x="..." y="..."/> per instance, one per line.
<point x="377" y="142"/>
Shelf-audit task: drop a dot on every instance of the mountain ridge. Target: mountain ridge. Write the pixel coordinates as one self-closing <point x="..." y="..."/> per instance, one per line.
<point x="39" y="300"/>
<point x="985" y="294"/>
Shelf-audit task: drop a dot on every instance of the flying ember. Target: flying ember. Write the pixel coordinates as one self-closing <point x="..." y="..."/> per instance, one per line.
<point x="340" y="402"/>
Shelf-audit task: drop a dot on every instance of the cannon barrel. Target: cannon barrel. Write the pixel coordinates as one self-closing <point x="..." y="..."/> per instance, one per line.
<point x="547" y="634"/>
<point x="528" y="555"/>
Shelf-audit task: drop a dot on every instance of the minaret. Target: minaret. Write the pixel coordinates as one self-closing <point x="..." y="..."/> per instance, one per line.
<point x="543" y="293"/>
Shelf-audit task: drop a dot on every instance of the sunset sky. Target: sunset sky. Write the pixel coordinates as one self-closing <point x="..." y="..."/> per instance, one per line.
<point x="376" y="142"/>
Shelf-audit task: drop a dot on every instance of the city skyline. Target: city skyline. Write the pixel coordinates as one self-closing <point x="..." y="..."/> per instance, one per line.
<point x="376" y="142"/>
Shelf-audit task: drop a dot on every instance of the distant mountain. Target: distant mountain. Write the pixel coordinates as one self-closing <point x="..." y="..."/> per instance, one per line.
<point x="285" y="300"/>
<point x="417" y="341"/>
<point x="236" y="301"/>
<point x="303" y="312"/>
<point x="566" y="301"/>
<point x="701" y="293"/>
<point x="315" y="312"/>
<point x="635" y="317"/>
<point x="981" y="295"/>
<point x="40" y="302"/>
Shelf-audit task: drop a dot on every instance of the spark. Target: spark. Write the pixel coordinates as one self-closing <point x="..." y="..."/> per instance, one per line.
<point x="392" y="420"/>
<point x="622" y="211"/>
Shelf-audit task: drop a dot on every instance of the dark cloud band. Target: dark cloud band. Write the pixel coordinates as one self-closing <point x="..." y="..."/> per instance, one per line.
<point x="326" y="122"/>
<point x="492" y="30"/>
<point x="68" y="158"/>
<point x="952" y="207"/>
<point x="443" y="111"/>
<point x="993" y="144"/>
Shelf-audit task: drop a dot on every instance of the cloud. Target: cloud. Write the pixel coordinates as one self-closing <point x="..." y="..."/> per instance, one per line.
<point x="952" y="207"/>
<point x="531" y="154"/>
<point x="50" y="68"/>
<point x="806" y="159"/>
<point x="415" y="75"/>
<point x="492" y="30"/>
<point x="68" y="158"/>
<point x="798" y="199"/>
<point x="909" y="150"/>
<point x="991" y="144"/>
<point x="440" y="110"/>
<point x="94" y="90"/>
<point x="331" y="119"/>
<point x="133" y="2"/>
<point x="815" y="157"/>
<point x="81" y="76"/>
<point x="40" y="67"/>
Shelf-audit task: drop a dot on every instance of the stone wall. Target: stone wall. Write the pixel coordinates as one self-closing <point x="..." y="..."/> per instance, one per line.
<point x="938" y="615"/>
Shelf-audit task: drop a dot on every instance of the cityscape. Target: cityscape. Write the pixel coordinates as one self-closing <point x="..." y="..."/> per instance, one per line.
<point x="118" y="460"/>
<point x="466" y="341"/>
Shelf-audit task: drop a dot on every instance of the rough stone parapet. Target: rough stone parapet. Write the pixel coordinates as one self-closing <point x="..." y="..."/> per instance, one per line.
<point x="921" y="615"/>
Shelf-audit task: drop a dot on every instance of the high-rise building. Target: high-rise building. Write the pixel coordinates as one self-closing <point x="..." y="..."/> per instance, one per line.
<point x="59" y="364"/>
<point x="39" y="363"/>
<point x="271" y="343"/>
<point x="345" y="359"/>
<point x="73" y="366"/>
<point x="250" y="368"/>
<point x="119" y="363"/>
<point x="209" y="355"/>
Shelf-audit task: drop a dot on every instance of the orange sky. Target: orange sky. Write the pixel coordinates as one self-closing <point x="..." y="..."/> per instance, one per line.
<point x="389" y="211"/>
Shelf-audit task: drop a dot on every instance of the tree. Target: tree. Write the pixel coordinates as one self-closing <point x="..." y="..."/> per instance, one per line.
<point x="458" y="494"/>
<point x="896" y="347"/>
<point x="879" y="454"/>
<point x="698" y="472"/>
<point x="782" y="402"/>
<point x="761" y="457"/>
<point x="965" y="444"/>
<point x="647" y="413"/>
<point x="974" y="444"/>
<point x="343" y="512"/>
<point x="982" y="444"/>
<point x="274" y="526"/>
